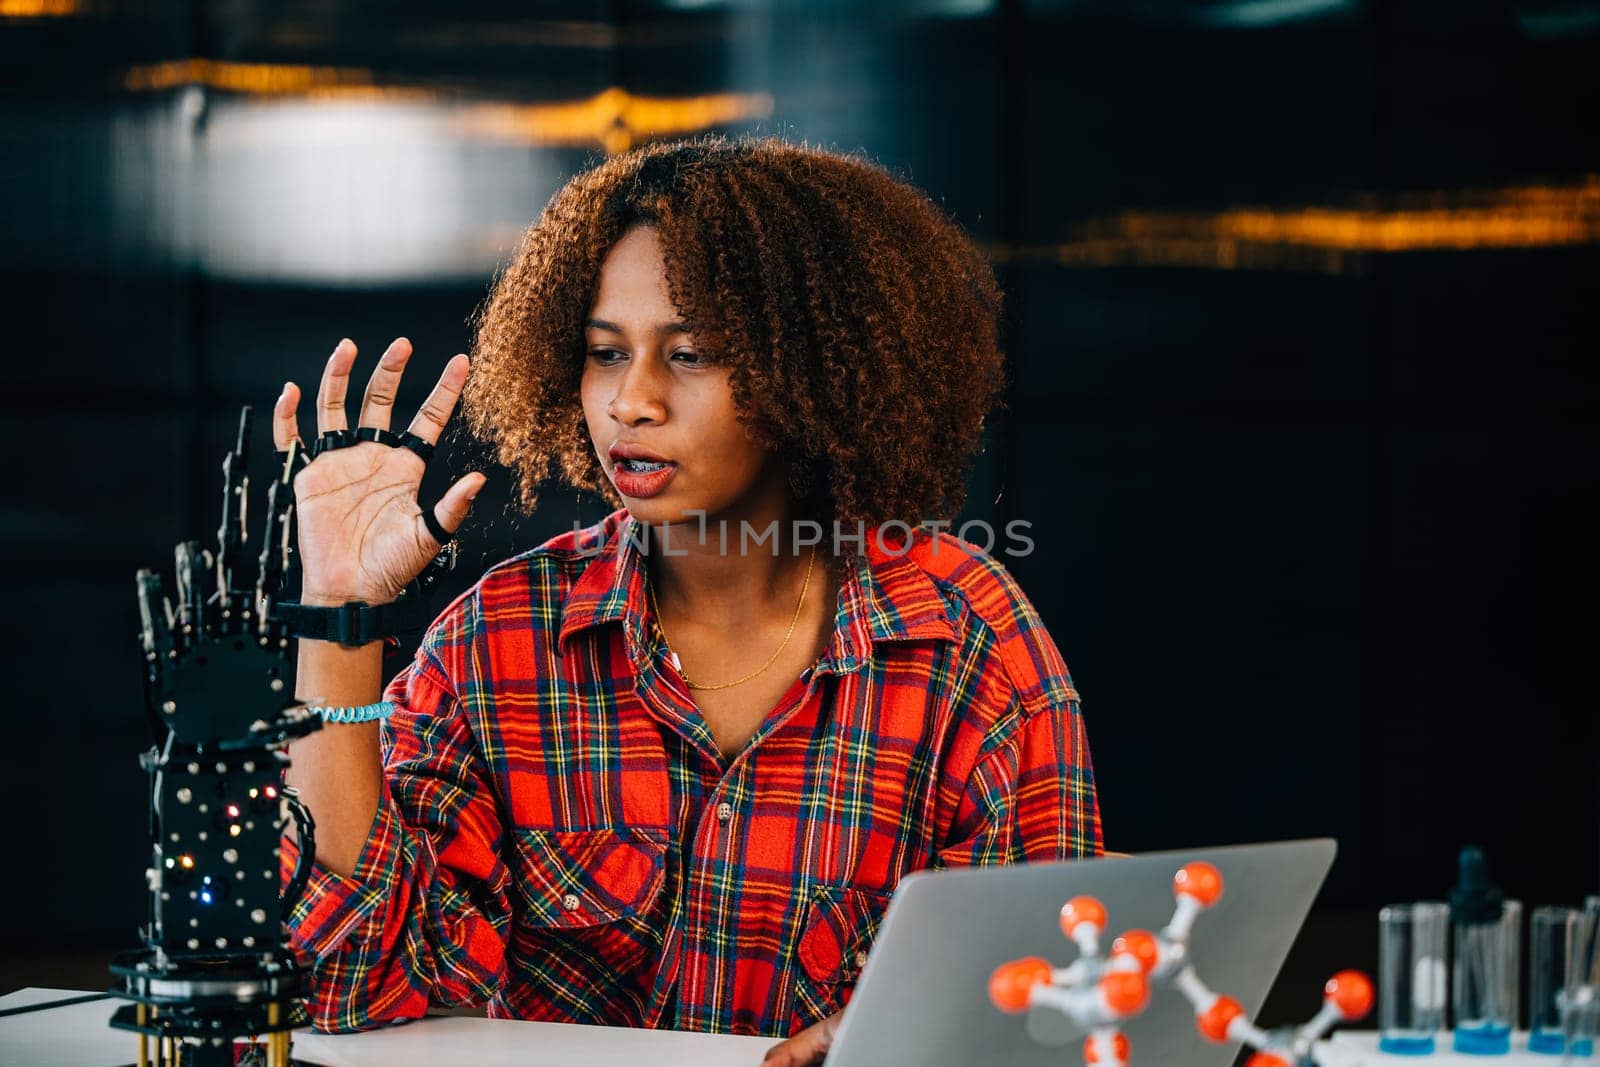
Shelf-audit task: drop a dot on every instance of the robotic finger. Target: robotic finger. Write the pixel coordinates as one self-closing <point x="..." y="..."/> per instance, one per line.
<point x="277" y="540"/>
<point x="215" y="962"/>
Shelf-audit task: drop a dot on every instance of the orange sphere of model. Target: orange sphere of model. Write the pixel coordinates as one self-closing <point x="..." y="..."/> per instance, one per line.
<point x="1199" y="880"/>
<point x="1080" y="910"/>
<point x="1213" y="1022"/>
<point x="1141" y="945"/>
<point x="1012" y="983"/>
<point x="1126" y="992"/>
<point x="1266" y="1059"/>
<point x="1351" y="991"/>
<point x="1119" y="1048"/>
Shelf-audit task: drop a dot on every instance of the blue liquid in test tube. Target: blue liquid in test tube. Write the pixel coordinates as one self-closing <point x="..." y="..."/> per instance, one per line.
<point x="1412" y="941"/>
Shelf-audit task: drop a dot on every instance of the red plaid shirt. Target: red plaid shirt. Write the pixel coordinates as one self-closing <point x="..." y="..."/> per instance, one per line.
<point x="560" y="838"/>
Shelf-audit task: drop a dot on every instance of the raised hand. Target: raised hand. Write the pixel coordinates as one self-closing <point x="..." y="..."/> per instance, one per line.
<point x="362" y="534"/>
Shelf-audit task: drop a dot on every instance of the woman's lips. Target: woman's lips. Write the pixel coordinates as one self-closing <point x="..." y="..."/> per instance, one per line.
<point x="641" y="486"/>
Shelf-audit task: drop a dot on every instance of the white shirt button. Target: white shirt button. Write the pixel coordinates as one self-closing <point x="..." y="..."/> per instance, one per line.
<point x="570" y="902"/>
<point x="724" y="811"/>
<point x="861" y="960"/>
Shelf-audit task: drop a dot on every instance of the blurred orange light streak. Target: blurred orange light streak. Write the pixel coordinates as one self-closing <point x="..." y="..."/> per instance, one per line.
<point x="613" y="118"/>
<point x="33" y="9"/>
<point x="270" y="78"/>
<point x="1332" y="239"/>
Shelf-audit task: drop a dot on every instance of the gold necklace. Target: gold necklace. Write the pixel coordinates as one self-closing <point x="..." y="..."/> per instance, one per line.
<point x="656" y="611"/>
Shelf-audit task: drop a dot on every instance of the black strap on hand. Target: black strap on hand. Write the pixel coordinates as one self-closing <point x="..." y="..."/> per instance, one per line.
<point x="356" y="623"/>
<point x="423" y="449"/>
<point x="383" y="437"/>
<point x="437" y="531"/>
<point x="331" y="440"/>
<point x="336" y="439"/>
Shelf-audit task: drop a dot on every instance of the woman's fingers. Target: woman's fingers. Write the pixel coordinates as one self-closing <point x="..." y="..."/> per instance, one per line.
<point x="435" y="411"/>
<point x="335" y="384"/>
<point x="285" y="417"/>
<point x="807" y="1048"/>
<point x="378" y="403"/>
<point x="451" y="510"/>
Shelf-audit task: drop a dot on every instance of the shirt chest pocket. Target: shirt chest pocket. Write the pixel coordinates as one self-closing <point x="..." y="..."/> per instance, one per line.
<point x="835" y="937"/>
<point x="572" y="879"/>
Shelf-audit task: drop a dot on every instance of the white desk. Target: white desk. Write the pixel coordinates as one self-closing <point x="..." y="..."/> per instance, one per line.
<point x="79" y="1035"/>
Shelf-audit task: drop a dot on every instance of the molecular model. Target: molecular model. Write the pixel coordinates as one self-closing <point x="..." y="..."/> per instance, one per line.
<point x="1096" y="994"/>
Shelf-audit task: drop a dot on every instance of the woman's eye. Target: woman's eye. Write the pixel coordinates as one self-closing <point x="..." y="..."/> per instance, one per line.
<point x="688" y="358"/>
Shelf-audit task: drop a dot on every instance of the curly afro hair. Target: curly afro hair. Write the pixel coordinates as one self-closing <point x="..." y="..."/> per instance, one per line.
<point x="860" y="324"/>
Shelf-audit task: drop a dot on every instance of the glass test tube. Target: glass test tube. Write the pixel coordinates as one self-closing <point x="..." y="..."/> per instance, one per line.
<point x="1553" y="950"/>
<point x="1412" y="942"/>
<point x="1580" y="999"/>
<point x="1511" y="939"/>
<point x="1484" y="999"/>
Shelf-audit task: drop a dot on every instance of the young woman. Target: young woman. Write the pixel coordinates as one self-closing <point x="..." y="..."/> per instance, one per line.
<point x="667" y="770"/>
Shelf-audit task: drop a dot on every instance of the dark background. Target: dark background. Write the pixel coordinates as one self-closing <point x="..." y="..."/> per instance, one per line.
<point x="1314" y="514"/>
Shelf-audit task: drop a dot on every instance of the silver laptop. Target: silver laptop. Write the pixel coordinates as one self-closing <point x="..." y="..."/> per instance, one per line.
<point x="923" y="997"/>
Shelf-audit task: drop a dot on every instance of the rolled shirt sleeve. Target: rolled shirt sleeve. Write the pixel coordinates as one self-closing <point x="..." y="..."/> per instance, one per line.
<point x="1031" y="796"/>
<point x="423" y="920"/>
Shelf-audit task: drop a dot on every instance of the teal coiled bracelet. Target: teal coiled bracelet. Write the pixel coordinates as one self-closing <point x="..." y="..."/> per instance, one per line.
<point x="365" y="713"/>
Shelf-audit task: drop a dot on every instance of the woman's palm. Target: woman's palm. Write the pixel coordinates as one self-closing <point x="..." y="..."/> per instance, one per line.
<point x="362" y="535"/>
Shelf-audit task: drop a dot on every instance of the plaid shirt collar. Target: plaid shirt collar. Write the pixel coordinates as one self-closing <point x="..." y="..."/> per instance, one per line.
<point x="886" y="597"/>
